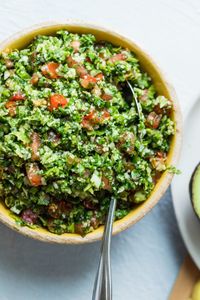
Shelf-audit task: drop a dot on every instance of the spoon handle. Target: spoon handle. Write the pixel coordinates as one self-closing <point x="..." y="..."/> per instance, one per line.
<point x="103" y="282"/>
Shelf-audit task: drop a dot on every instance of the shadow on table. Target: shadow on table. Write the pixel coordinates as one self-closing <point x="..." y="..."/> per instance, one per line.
<point x="22" y="255"/>
<point x="42" y="268"/>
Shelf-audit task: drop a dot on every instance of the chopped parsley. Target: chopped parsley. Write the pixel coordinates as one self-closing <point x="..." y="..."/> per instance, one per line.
<point x="70" y="138"/>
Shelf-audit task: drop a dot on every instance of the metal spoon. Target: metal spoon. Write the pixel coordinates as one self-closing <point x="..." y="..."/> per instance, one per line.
<point x="138" y="107"/>
<point x="141" y="118"/>
<point x="103" y="283"/>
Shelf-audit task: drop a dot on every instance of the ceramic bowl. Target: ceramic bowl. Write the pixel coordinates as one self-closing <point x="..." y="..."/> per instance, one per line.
<point x="21" y="40"/>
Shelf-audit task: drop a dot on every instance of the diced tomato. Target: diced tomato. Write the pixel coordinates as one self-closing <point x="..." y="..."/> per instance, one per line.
<point x="86" y="124"/>
<point x="58" y="209"/>
<point x="71" y="62"/>
<point x="35" y="145"/>
<point x="89" y="116"/>
<point x="158" y="110"/>
<point x="127" y="138"/>
<point x="106" y="97"/>
<point x="57" y="100"/>
<point x="117" y="57"/>
<point x="88" y="81"/>
<point x="92" y="118"/>
<point x="88" y="59"/>
<point x="106" y="184"/>
<point x="34" y="178"/>
<point x="50" y="70"/>
<point x="161" y="154"/>
<point x="89" y="120"/>
<point x="34" y="79"/>
<point x="99" y="77"/>
<point x="17" y="97"/>
<point x="29" y="216"/>
<point x="105" y="116"/>
<point x="81" y="71"/>
<point x="75" y="45"/>
<point x="153" y="120"/>
<point x="11" y="106"/>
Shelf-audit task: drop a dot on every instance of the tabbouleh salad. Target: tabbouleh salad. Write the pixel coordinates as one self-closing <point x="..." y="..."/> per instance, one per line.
<point x="70" y="140"/>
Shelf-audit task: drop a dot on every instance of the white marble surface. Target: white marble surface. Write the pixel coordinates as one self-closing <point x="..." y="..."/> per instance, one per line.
<point x="146" y="258"/>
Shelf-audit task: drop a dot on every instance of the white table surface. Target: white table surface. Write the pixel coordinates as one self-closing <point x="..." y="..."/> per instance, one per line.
<point x="146" y="258"/>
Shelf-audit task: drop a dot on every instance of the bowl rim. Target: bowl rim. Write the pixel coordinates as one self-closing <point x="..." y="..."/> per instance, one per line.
<point x="163" y="183"/>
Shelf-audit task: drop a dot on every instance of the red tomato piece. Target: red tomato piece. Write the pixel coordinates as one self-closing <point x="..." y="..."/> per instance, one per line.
<point x="106" y="115"/>
<point x="130" y="138"/>
<point x="34" y="79"/>
<point x="57" y="100"/>
<point x="106" y="97"/>
<point x="86" y="124"/>
<point x="34" y="178"/>
<point x="71" y="62"/>
<point x="117" y="57"/>
<point x="58" y="209"/>
<point x="11" y="106"/>
<point x="99" y="77"/>
<point x="81" y="71"/>
<point x="75" y="45"/>
<point x="35" y="145"/>
<point x="17" y="97"/>
<point x="89" y="120"/>
<point x="153" y="120"/>
<point x="88" y="59"/>
<point x="88" y="81"/>
<point x="106" y="184"/>
<point x="50" y="70"/>
<point x="90" y="116"/>
<point x="161" y="154"/>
